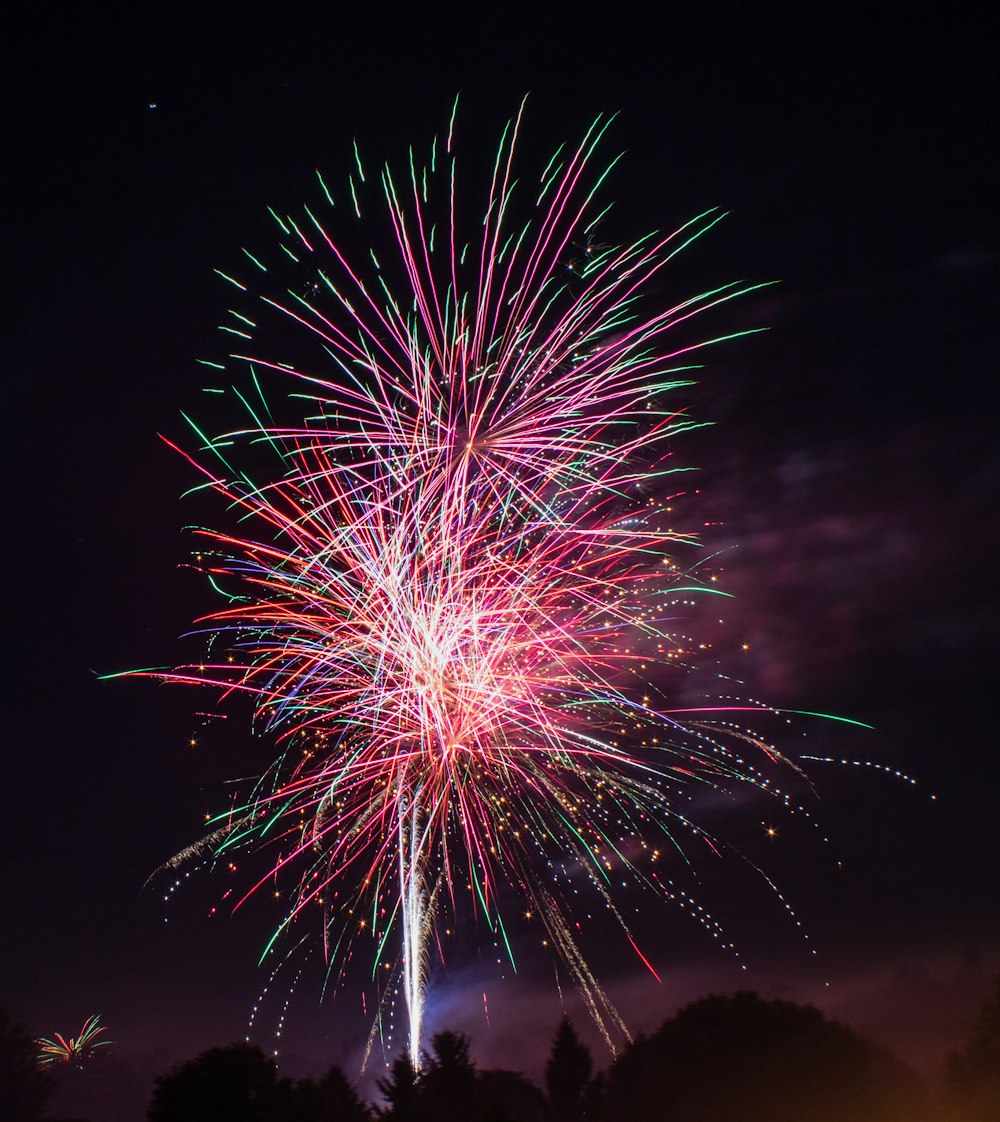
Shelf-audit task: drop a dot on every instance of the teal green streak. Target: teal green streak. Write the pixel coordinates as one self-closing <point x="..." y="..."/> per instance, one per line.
<point x="198" y="487"/>
<point x="381" y="946"/>
<point x="482" y="898"/>
<point x="826" y="717"/>
<point x="599" y="218"/>
<point x="260" y="392"/>
<point x="274" y="938"/>
<point x="209" y="445"/>
<point x="222" y="592"/>
<point x="701" y="230"/>
<point x="263" y="268"/>
<point x="277" y="218"/>
<point x="583" y="841"/>
<point x="129" y="673"/>
<point x="451" y="121"/>
<point x="329" y="197"/>
<point x="260" y="425"/>
<point x="314" y="220"/>
<point x="225" y="276"/>
<point x="703" y="588"/>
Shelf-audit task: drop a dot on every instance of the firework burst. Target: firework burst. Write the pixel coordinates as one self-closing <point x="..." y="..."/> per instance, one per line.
<point x="452" y="586"/>
<point x="74" y="1050"/>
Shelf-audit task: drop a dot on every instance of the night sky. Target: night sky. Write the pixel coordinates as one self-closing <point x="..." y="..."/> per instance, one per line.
<point x="851" y="476"/>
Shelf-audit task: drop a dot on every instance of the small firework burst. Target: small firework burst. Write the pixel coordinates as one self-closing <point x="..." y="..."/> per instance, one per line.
<point x="75" y="1050"/>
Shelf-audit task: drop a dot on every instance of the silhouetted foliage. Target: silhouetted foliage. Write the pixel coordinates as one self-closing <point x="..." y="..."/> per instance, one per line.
<point x="23" y="1087"/>
<point x="593" y="1098"/>
<point x="448" y="1080"/>
<point x="506" y="1096"/>
<point x="233" y="1084"/>
<point x="724" y="1058"/>
<point x="721" y="1059"/>
<point x="332" y="1099"/>
<point x="240" y="1084"/>
<point x="567" y="1074"/>
<point x="400" y="1092"/>
<point x="974" y="1073"/>
<point x="450" y="1089"/>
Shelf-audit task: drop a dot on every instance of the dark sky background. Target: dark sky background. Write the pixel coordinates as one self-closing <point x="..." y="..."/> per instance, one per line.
<point x="852" y="475"/>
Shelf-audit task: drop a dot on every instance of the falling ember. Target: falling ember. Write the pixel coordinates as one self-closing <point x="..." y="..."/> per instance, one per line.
<point x="451" y="583"/>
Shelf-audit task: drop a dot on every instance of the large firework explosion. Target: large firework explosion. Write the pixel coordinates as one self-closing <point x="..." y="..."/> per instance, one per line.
<point x="453" y="587"/>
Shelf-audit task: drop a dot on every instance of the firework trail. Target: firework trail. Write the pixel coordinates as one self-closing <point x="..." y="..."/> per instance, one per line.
<point x="452" y="584"/>
<point x="74" y="1049"/>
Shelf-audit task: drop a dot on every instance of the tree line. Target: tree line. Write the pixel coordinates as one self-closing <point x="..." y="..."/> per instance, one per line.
<point x="717" y="1059"/>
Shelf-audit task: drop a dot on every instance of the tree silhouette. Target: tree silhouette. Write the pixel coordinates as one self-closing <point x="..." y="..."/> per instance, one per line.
<point x="974" y="1074"/>
<point x="400" y="1092"/>
<point x="506" y="1096"/>
<point x="233" y="1084"/>
<point x="448" y="1090"/>
<point x="567" y="1074"/>
<point x="742" y="1057"/>
<point x="332" y="1099"/>
<point x="23" y="1087"/>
